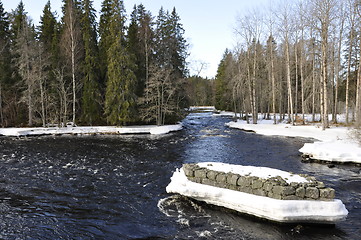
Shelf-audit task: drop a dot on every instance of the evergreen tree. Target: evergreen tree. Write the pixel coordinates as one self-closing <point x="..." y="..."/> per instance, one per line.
<point x="47" y="27"/>
<point x="104" y="38"/>
<point x="222" y="96"/>
<point x="91" y="98"/>
<point x="48" y="33"/>
<point x="18" y="19"/>
<point x="178" y="45"/>
<point x="120" y="97"/>
<point x="166" y="88"/>
<point x="16" y="111"/>
<point x="140" y="35"/>
<point x="5" y="59"/>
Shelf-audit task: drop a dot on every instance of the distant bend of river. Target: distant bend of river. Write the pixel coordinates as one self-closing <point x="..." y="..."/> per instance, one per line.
<point x="113" y="187"/>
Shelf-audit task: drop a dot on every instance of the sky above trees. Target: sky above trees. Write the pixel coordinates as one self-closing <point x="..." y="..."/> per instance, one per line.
<point x="208" y="24"/>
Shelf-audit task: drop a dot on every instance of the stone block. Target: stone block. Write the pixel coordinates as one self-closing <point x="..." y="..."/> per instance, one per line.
<point x="195" y="179"/>
<point x="232" y="179"/>
<point x="288" y="190"/>
<point x="327" y="193"/>
<point x="267" y="186"/>
<point x="200" y="173"/>
<point x="312" y="192"/>
<point x="259" y="192"/>
<point x="277" y="190"/>
<point x="244" y="181"/>
<point x="274" y="195"/>
<point x="232" y="187"/>
<point x="221" y="178"/>
<point x="320" y="185"/>
<point x="300" y="192"/>
<point x="245" y="189"/>
<point x="212" y="174"/>
<point x="257" y="183"/>
<point x="189" y="169"/>
<point x="207" y="181"/>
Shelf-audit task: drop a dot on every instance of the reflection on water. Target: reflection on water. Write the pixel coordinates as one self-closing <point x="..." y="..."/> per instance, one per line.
<point x="113" y="187"/>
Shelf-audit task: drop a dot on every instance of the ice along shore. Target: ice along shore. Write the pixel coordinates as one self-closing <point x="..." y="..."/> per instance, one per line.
<point x="147" y="129"/>
<point x="331" y="145"/>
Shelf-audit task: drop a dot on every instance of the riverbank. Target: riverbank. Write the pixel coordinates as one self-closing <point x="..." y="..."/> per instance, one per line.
<point x="334" y="144"/>
<point x="147" y="129"/>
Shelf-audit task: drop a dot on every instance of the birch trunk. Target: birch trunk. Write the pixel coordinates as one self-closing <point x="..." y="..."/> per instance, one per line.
<point x="289" y="86"/>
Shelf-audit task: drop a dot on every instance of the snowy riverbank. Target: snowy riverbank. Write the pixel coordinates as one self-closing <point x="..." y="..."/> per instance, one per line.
<point x="333" y="144"/>
<point x="148" y="129"/>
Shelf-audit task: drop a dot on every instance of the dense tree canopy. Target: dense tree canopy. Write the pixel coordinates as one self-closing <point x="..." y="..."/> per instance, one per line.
<point x="74" y="69"/>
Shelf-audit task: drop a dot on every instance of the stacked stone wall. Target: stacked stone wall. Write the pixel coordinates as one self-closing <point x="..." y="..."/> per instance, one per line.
<point x="274" y="187"/>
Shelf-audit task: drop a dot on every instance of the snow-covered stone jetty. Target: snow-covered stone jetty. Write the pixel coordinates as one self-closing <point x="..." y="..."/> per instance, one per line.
<point x="263" y="192"/>
<point x="148" y="129"/>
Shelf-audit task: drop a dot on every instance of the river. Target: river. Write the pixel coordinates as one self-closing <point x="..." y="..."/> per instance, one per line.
<point x="113" y="187"/>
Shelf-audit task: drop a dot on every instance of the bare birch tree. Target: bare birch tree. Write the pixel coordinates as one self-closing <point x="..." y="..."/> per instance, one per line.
<point x="285" y="28"/>
<point x="72" y="44"/>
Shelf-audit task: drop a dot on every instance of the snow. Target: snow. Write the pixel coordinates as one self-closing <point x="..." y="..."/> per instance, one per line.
<point x="202" y="108"/>
<point x="263" y="207"/>
<point x="149" y="129"/>
<point x="261" y="172"/>
<point x="333" y="144"/>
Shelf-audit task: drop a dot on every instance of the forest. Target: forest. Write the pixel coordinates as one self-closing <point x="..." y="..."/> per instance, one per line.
<point x="292" y="59"/>
<point x="123" y="70"/>
<point x="295" y="58"/>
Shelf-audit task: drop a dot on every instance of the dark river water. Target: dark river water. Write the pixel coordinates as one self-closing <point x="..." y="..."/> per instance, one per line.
<point x="113" y="187"/>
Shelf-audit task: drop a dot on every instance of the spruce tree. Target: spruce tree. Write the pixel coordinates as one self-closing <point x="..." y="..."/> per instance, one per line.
<point x="104" y="38"/>
<point x="47" y="33"/>
<point x="5" y="60"/>
<point x="91" y="97"/>
<point x="47" y="27"/>
<point x="222" y="96"/>
<point x="165" y="90"/>
<point x="139" y="40"/>
<point x="120" y="97"/>
<point x="18" y="111"/>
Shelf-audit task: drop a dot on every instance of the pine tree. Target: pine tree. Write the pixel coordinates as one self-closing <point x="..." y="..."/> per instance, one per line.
<point x="91" y="97"/>
<point x="120" y="97"/>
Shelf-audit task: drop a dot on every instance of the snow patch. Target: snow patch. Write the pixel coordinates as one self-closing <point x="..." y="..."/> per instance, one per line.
<point x="261" y="172"/>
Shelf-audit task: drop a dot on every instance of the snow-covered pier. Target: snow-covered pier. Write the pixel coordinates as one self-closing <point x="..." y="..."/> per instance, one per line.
<point x="259" y="191"/>
<point x="148" y="129"/>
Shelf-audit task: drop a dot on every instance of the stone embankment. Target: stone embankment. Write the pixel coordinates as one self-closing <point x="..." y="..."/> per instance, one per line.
<point x="274" y="187"/>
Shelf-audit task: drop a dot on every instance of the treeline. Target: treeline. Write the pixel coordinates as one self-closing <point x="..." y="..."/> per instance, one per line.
<point x="295" y="58"/>
<point x="117" y="71"/>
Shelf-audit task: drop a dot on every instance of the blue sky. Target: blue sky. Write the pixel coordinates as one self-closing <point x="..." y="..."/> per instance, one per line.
<point x="208" y="24"/>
